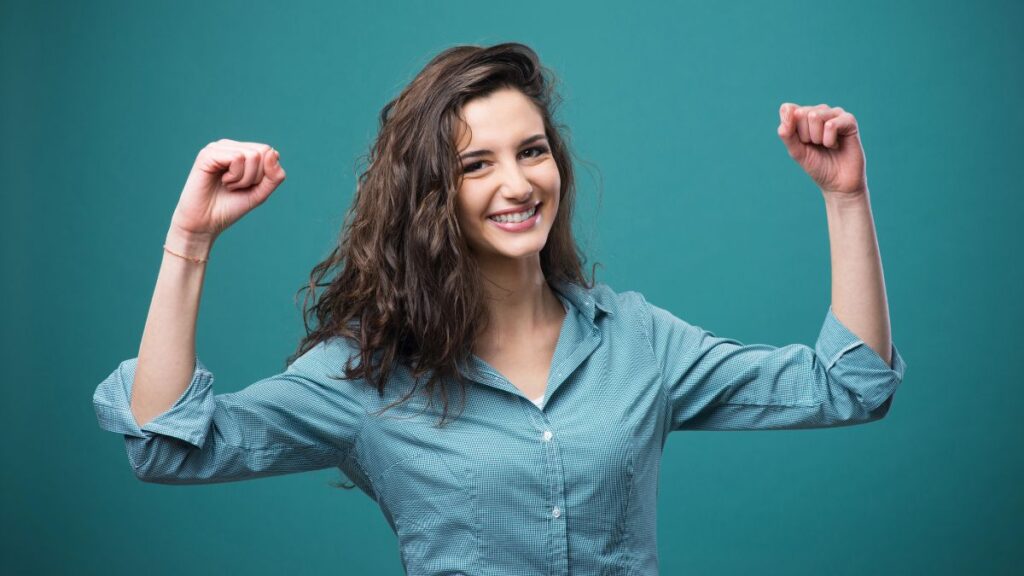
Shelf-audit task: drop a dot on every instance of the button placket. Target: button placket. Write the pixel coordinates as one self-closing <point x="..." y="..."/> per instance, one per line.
<point x="554" y="473"/>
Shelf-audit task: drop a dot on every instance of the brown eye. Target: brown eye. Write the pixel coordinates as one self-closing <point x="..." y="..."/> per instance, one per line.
<point x="472" y="167"/>
<point x="537" y="150"/>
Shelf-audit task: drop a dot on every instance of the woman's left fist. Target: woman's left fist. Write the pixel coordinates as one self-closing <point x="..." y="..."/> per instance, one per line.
<point x="826" y="144"/>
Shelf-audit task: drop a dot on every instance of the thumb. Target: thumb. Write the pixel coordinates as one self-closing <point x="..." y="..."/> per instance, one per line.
<point x="272" y="167"/>
<point x="787" y="130"/>
<point x="273" y="175"/>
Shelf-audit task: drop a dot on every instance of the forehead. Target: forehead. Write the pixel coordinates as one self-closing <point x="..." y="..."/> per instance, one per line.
<point x="502" y="118"/>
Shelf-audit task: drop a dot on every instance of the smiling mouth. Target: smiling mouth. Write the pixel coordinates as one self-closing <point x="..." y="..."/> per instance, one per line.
<point x="516" y="217"/>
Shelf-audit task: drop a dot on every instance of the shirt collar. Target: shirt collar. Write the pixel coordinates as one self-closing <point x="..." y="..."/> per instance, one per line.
<point x="588" y="301"/>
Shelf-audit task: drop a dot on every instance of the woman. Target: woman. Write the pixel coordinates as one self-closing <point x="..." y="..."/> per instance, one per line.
<point x="459" y="284"/>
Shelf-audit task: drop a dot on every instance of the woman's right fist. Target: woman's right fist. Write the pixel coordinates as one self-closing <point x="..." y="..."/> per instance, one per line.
<point x="228" y="180"/>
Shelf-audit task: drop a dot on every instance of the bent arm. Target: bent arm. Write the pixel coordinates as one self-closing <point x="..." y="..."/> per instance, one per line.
<point x="177" y="431"/>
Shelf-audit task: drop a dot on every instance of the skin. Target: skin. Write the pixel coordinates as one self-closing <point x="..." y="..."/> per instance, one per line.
<point x="526" y="315"/>
<point x="228" y="179"/>
<point x="825" y="142"/>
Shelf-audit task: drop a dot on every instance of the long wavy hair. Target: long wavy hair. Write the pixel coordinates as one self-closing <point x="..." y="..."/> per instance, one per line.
<point x="401" y="283"/>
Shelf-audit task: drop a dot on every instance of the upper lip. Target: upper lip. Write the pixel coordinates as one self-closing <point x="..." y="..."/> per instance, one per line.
<point x="514" y="210"/>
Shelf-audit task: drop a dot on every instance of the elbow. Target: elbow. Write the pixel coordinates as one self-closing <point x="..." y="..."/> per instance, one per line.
<point x="144" y="474"/>
<point x="862" y="413"/>
<point x="877" y="405"/>
<point x="141" y="460"/>
<point x="881" y="411"/>
<point x="147" y="461"/>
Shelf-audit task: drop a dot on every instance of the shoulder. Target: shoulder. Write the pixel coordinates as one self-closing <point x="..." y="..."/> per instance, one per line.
<point x="624" y="302"/>
<point x="327" y="357"/>
<point x="621" y="310"/>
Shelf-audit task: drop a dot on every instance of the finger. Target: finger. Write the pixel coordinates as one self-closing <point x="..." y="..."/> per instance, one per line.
<point x="802" y="129"/>
<point x="839" y="127"/>
<point x="261" y="151"/>
<point x="816" y="118"/>
<point x="261" y="156"/>
<point x="828" y="128"/>
<point x="252" y="159"/>
<point x="225" y="160"/>
<point x="274" y="175"/>
<point x="236" y="166"/>
<point x="787" y="130"/>
<point x="273" y="170"/>
<point x="814" y="122"/>
<point x="786" y="119"/>
<point x="213" y="159"/>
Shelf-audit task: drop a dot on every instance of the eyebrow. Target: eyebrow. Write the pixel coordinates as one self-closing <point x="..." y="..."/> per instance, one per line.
<point x="476" y="153"/>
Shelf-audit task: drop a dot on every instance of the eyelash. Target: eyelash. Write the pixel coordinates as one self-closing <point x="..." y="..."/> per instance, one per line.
<point x="541" y="150"/>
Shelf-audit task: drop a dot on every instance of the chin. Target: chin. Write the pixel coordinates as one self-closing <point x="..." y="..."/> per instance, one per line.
<point x="510" y="251"/>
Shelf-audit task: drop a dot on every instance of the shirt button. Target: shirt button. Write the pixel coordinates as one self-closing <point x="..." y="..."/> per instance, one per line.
<point x="556" y="512"/>
<point x="547" y="435"/>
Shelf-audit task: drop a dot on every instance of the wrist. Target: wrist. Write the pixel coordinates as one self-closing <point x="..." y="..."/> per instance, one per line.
<point x="188" y="245"/>
<point x="846" y="200"/>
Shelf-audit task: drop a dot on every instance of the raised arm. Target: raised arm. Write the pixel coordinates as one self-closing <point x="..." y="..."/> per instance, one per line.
<point x="228" y="179"/>
<point x="826" y="143"/>
<point x="175" y="429"/>
<point x="851" y="373"/>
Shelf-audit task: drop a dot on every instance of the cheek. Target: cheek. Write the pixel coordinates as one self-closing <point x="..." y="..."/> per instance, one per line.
<point x="468" y="209"/>
<point x="555" y="186"/>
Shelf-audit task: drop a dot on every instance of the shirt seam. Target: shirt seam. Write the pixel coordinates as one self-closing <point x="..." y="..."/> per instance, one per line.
<point x="353" y="452"/>
<point x="654" y="356"/>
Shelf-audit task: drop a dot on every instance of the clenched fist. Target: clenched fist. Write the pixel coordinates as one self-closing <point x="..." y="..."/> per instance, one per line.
<point x="825" y="142"/>
<point x="228" y="179"/>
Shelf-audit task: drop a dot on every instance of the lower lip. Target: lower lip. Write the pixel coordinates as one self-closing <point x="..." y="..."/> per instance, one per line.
<point x="518" y="226"/>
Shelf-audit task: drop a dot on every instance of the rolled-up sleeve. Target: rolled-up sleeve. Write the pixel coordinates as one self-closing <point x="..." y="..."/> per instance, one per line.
<point x="717" y="383"/>
<point x="298" y="420"/>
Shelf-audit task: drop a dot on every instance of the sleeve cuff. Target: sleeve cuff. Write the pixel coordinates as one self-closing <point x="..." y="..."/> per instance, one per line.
<point x="845" y="353"/>
<point x="187" y="419"/>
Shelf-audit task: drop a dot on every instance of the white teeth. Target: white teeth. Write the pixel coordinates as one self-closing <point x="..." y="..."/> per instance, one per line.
<point x="517" y="217"/>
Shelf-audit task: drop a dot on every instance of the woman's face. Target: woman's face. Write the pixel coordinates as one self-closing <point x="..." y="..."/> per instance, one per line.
<point x="507" y="169"/>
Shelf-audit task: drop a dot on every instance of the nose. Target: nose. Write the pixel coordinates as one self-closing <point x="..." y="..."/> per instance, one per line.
<point x="514" y="183"/>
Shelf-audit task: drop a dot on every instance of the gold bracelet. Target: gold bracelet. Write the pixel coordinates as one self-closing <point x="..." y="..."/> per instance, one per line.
<point x="200" y="260"/>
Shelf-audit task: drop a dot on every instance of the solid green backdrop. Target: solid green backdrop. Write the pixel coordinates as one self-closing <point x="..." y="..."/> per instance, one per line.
<point x="674" y="108"/>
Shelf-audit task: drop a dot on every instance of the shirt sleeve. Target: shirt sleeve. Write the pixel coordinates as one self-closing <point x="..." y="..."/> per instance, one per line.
<point x="294" y="421"/>
<point x="717" y="383"/>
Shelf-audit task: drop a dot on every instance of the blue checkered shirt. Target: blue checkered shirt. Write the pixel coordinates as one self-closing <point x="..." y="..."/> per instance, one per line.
<point x="510" y="487"/>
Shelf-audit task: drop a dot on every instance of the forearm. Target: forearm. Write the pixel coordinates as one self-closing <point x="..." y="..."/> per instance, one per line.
<point x="858" y="285"/>
<point x="167" y="351"/>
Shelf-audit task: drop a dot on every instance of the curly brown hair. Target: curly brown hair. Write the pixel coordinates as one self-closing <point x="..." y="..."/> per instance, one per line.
<point x="407" y="289"/>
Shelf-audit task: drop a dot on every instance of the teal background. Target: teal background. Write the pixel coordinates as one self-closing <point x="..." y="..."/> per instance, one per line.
<point x="674" y="108"/>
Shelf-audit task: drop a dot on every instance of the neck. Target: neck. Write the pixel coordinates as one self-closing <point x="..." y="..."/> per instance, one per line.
<point x="519" y="300"/>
